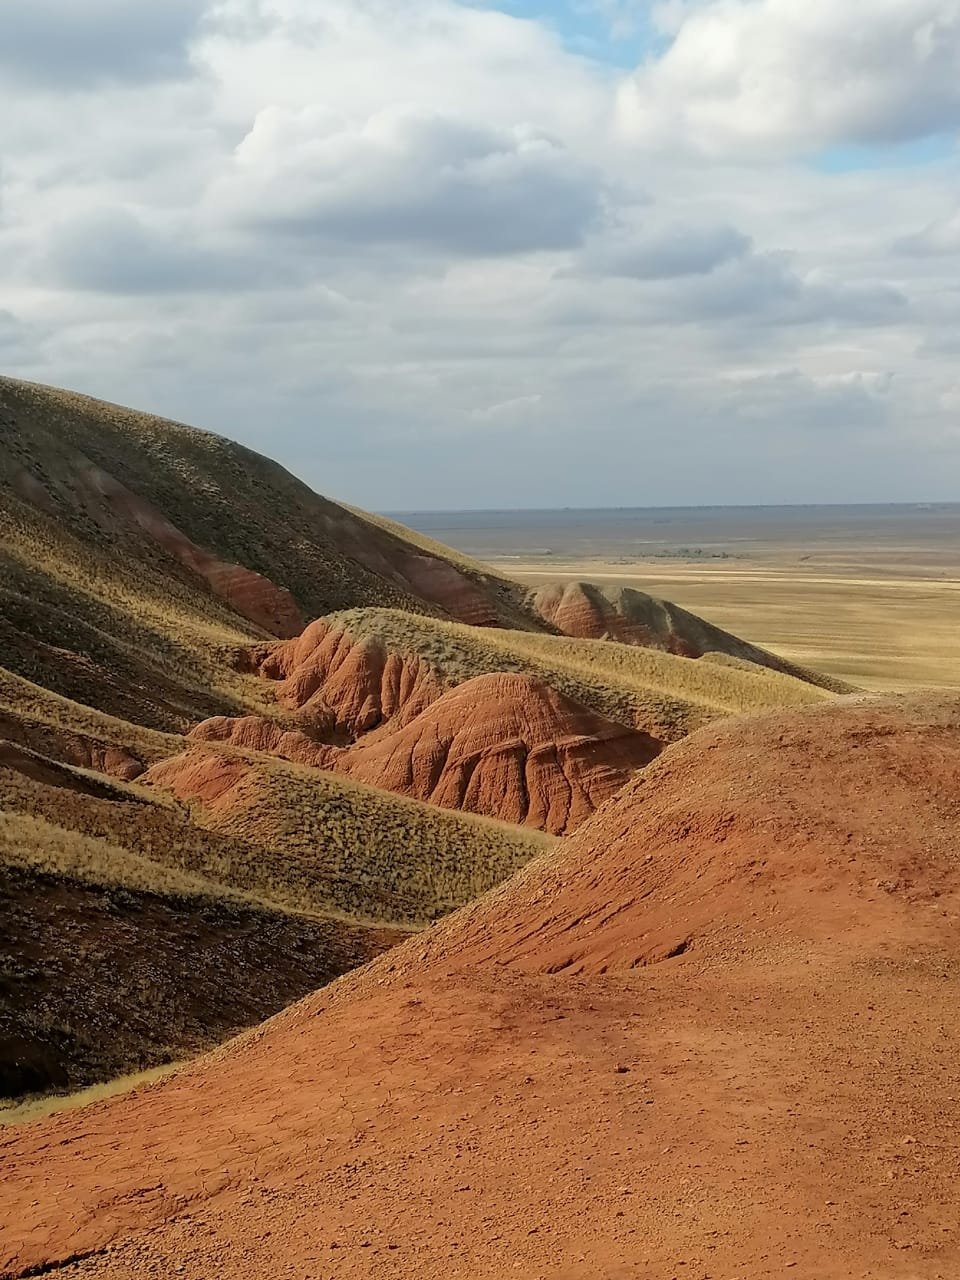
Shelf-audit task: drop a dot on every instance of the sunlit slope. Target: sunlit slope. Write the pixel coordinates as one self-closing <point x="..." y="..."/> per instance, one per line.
<point x="132" y="549"/>
<point x="665" y="695"/>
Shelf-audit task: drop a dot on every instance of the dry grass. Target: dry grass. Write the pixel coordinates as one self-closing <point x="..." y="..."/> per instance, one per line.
<point x="37" y="1106"/>
<point x="296" y="840"/>
<point x="54" y="850"/>
<point x="319" y="550"/>
<point x="118" y="633"/>
<point x="111" y="964"/>
<point x="389" y="857"/>
<point x="95" y="609"/>
<point x="665" y="695"/>
<point x="45" y="717"/>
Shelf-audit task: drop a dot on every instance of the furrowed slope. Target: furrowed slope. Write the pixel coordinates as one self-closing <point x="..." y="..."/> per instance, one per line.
<point x="525" y="728"/>
<point x="366" y="666"/>
<point x="713" y="1036"/>
<point x="505" y="746"/>
<point x="824" y="827"/>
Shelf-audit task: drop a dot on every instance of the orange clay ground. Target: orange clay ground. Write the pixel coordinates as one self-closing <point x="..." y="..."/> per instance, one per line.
<point x="714" y="1038"/>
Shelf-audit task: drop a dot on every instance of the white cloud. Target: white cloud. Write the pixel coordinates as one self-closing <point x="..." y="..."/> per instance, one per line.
<point x="942" y="236"/>
<point x="68" y="44"/>
<point x="405" y="177"/>
<point x="110" y="250"/>
<point x="664" y="253"/>
<point x="768" y="76"/>
<point x="511" y="410"/>
<point x="373" y="238"/>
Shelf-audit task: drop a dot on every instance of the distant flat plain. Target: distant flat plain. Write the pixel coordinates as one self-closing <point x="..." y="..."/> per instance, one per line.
<point x="867" y="593"/>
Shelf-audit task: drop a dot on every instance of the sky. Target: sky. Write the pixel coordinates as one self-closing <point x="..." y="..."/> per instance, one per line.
<point x="435" y="255"/>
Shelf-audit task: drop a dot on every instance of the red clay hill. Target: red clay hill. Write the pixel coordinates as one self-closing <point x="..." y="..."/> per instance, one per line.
<point x="503" y="745"/>
<point x="713" y="1037"/>
<point x="440" y="713"/>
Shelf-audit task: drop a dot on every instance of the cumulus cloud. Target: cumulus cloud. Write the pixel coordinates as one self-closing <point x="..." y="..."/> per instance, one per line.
<point x="770" y="75"/>
<point x="404" y="177"/>
<point x="732" y="294"/>
<point x="837" y="402"/>
<point x="942" y="236"/>
<point x="371" y="237"/>
<point x="768" y="288"/>
<point x="111" y="250"/>
<point x="665" y="253"/>
<point x="66" y="43"/>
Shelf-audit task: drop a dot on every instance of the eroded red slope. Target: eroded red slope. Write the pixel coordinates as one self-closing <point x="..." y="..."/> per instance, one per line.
<point x="778" y="1099"/>
<point x="504" y="745"/>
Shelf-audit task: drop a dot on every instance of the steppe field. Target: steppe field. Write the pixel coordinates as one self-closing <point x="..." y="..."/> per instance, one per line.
<point x="869" y="594"/>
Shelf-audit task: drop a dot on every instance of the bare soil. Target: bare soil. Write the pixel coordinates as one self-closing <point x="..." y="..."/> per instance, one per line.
<point x="713" y="1039"/>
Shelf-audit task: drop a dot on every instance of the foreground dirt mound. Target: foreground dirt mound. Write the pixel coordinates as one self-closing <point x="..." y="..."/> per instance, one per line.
<point x="590" y="612"/>
<point x="840" y="820"/>
<point x="506" y="746"/>
<point x="776" y="1098"/>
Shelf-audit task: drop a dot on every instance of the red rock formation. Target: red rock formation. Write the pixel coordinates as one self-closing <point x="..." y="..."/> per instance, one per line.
<point x="589" y="612"/>
<point x="206" y="776"/>
<point x="504" y="745"/>
<point x="51" y="773"/>
<point x="255" y="733"/>
<point x="443" y="583"/>
<point x="815" y="824"/>
<point x="581" y="609"/>
<point x="508" y="746"/>
<point x="105" y="499"/>
<point x="347" y="687"/>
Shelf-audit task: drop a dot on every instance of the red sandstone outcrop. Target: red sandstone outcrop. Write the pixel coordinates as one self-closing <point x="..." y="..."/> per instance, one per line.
<point x="206" y="776"/>
<point x="508" y="746"/>
<point x="589" y="612"/>
<point x="504" y="745"/>
<point x="51" y="773"/>
<point x="252" y="596"/>
<point x="584" y="611"/>
<point x="820" y="824"/>
<point x="339" y="685"/>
